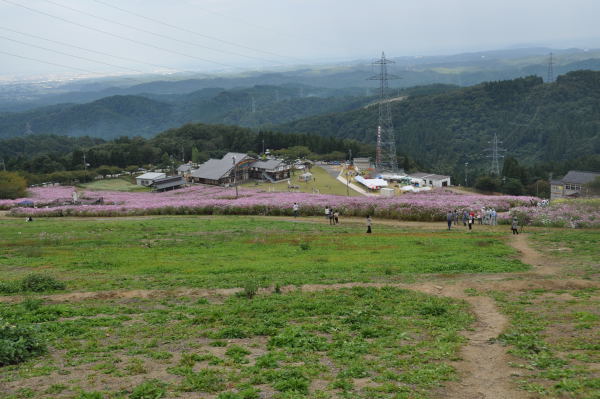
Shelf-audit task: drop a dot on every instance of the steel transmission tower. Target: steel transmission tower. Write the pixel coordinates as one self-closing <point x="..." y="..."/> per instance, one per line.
<point x="386" y="141"/>
<point x="495" y="153"/>
<point x="550" y="69"/>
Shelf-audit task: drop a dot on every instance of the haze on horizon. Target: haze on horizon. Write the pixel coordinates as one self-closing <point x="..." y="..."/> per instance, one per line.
<point x="263" y="34"/>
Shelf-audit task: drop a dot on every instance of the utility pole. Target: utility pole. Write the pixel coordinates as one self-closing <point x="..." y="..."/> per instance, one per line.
<point x="466" y="174"/>
<point x="3" y="164"/>
<point x="495" y="155"/>
<point x="263" y="144"/>
<point x="386" y="141"/>
<point x="84" y="163"/>
<point x="182" y="154"/>
<point x="550" y="69"/>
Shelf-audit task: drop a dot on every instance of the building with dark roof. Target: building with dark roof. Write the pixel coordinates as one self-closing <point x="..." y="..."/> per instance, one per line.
<point x="271" y="169"/>
<point x="233" y="167"/>
<point x="572" y="185"/>
<point x="168" y="183"/>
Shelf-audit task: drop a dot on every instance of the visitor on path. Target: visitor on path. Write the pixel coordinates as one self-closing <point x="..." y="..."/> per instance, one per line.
<point x="296" y="209"/>
<point x="471" y="221"/>
<point x="450" y="218"/>
<point x="327" y="211"/>
<point x="368" y="224"/>
<point x="515" y="226"/>
<point x="336" y="216"/>
<point x="29" y="219"/>
<point x="465" y="217"/>
<point x="456" y="217"/>
<point x="331" y="216"/>
<point x="494" y="217"/>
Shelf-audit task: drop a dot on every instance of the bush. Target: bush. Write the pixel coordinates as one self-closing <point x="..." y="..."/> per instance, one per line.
<point x="250" y="290"/>
<point x="41" y="283"/>
<point x="151" y="389"/>
<point x="18" y="343"/>
<point x="7" y="287"/>
<point x="12" y="186"/>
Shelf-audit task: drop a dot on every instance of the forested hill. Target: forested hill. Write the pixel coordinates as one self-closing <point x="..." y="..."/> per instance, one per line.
<point x="146" y="115"/>
<point x="535" y="122"/>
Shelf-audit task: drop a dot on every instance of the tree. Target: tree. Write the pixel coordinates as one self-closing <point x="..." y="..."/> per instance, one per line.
<point x="487" y="183"/>
<point x="104" y="170"/>
<point x="12" y="186"/>
<point x="513" y="187"/>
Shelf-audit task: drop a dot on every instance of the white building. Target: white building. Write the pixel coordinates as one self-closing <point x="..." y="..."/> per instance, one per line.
<point x="148" y="178"/>
<point x="431" y="180"/>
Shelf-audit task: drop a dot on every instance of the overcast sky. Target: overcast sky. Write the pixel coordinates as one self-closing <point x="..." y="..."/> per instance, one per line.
<point x="259" y="34"/>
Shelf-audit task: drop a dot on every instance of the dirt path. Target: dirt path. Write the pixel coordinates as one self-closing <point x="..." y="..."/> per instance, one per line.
<point x="484" y="369"/>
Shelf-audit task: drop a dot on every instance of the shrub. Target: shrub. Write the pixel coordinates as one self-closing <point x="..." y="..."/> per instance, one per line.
<point x="250" y="290"/>
<point x="9" y="287"/>
<point x="41" y="283"/>
<point x="18" y="343"/>
<point x="12" y="186"/>
<point x="151" y="389"/>
<point x="207" y="380"/>
<point x="304" y="246"/>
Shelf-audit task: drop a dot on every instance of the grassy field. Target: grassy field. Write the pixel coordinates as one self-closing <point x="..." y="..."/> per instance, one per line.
<point x="168" y="252"/>
<point x="323" y="183"/>
<point x="276" y="342"/>
<point x="119" y="184"/>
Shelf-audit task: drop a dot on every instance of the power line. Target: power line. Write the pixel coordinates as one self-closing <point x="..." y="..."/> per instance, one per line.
<point x="70" y="55"/>
<point x="118" y="36"/>
<point x="154" y="33"/>
<point x="194" y="32"/>
<point x="49" y="63"/>
<point x="85" y="49"/>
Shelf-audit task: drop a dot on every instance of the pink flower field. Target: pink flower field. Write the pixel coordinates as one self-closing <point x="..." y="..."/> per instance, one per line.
<point x="426" y="206"/>
<point x="575" y="213"/>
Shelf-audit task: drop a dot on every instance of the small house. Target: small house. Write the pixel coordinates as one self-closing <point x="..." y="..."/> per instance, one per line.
<point x="147" y="179"/>
<point x="430" y="179"/>
<point x="271" y="169"/>
<point x="362" y="163"/>
<point x="305" y="177"/>
<point x="572" y="185"/>
<point x="168" y="183"/>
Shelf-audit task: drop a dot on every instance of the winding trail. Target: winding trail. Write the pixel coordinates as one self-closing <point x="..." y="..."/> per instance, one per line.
<point x="484" y="366"/>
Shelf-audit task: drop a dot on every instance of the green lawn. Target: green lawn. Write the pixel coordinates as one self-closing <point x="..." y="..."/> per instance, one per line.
<point x="555" y="337"/>
<point x="119" y="184"/>
<point x="359" y="343"/>
<point x="167" y="252"/>
<point x="323" y="183"/>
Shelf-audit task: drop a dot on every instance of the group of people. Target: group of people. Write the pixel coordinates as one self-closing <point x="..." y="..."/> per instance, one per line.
<point x="332" y="214"/>
<point x="487" y="216"/>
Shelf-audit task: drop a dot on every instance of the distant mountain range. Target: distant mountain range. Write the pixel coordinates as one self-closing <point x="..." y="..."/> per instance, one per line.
<point x="331" y="80"/>
<point x="129" y="115"/>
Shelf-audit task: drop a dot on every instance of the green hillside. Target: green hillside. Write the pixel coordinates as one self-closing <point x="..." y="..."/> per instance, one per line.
<point x="535" y="121"/>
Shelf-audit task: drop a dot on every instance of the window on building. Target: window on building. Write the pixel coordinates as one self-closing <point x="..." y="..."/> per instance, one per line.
<point x="568" y="186"/>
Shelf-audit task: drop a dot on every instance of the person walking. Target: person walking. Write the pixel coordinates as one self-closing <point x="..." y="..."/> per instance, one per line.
<point x="450" y="218"/>
<point x="465" y="217"/>
<point x="456" y="217"/>
<point x="494" y="217"/>
<point x="471" y="221"/>
<point x="369" y="224"/>
<point x="331" y="216"/>
<point x="296" y="209"/>
<point x="515" y="226"/>
<point x="336" y="216"/>
<point x="327" y="210"/>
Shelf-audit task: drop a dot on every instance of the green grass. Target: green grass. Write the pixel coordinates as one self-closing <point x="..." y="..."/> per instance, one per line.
<point x="167" y="252"/>
<point x="554" y="336"/>
<point x="360" y="343"/>
<point x="120" y="184"/>
<point x="323" y="183"/>
<point x="578" y="250"/>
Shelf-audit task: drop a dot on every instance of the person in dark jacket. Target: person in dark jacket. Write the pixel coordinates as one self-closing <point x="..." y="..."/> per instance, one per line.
<point x="514" y="226"/>
<point x="369" y="224"/>
<point x="450" y="219"/>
